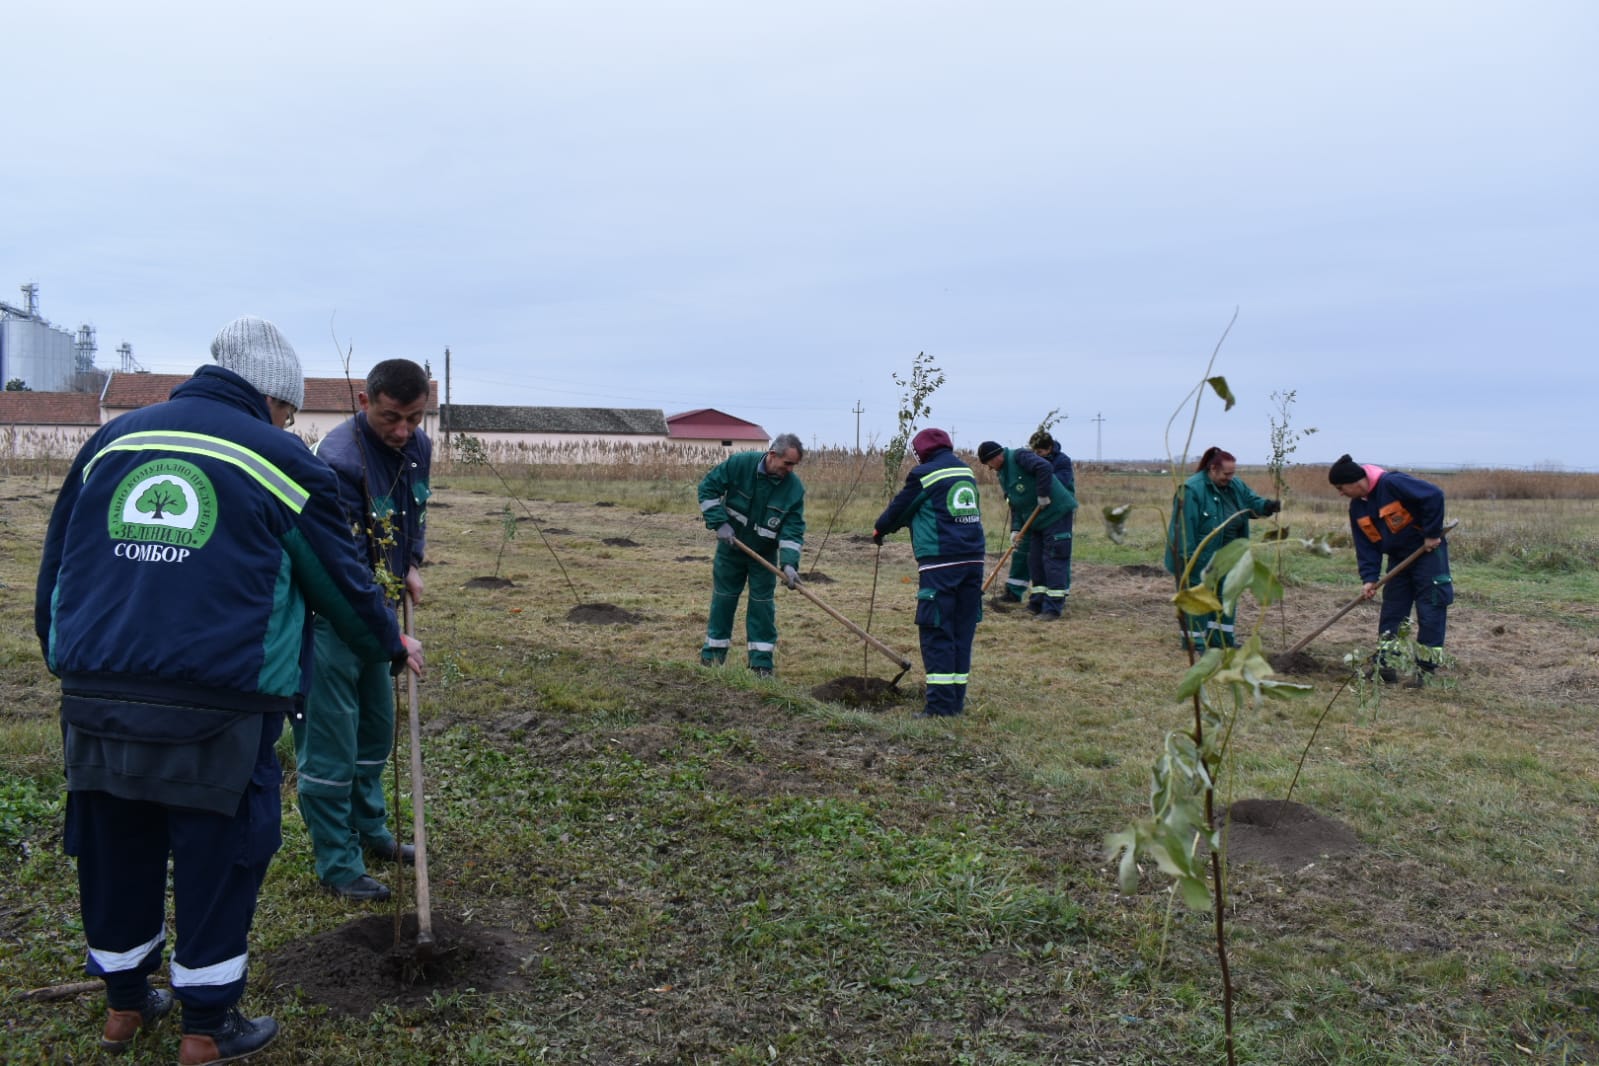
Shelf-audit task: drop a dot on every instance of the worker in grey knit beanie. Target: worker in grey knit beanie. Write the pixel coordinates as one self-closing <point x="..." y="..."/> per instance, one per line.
<point x="253" y="348"/>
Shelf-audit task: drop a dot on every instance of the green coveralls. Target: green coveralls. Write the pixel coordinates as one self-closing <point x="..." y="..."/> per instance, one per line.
<point x="1199" y="507"/>
<point x="352" y="726"/>
<point x="768" y="514"/>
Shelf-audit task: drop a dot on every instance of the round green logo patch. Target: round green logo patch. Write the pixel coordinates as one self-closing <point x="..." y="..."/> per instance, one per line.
<point x="169" y="501"/>
<point x="962" y="499"/>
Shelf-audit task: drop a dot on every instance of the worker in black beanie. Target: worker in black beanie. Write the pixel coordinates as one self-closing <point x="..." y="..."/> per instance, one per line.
<point x="1395" y="514"/>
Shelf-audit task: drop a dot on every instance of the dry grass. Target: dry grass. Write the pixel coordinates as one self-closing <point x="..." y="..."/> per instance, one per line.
<point x="1462" y="932"/>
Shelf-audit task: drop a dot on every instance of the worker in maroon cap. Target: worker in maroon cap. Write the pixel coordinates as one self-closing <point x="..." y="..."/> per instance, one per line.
<point x="939" y="505"/>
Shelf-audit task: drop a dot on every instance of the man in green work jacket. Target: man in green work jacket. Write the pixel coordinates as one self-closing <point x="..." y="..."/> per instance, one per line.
<point x="754" y="498"/>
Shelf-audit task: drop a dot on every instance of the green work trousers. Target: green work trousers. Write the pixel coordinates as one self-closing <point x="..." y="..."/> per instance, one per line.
<point x="729" y="571"/>
<point x="1018" y="582"/>
<point x="341" y="746"/>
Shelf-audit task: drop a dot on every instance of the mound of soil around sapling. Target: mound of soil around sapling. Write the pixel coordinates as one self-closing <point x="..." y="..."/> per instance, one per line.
<point x="619" y="542"/>
<point x="870" y="693"/>
<point x="1285" y="834"/>
<point x="692" y="559"/>
<point x="816" y="577"/>
<point x="605" y="503"/>
<point x="432" y="504"/>
<point x="1144" y="570"/>
<point x="1297" y="663"/>
<point x="490" y="583"/>
<point x="358" y="967"/>
<point x="602" y="614"/>
<point x="559" y="531"/>
<point x="859" y="538"/>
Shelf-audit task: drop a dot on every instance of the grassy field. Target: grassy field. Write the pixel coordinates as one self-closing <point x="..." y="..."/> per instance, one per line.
<point x="636" y="860"/>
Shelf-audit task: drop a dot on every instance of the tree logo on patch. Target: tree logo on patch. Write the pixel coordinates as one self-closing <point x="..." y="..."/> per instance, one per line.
<point x="962" y="499"/>
<point x="169" y="501"/>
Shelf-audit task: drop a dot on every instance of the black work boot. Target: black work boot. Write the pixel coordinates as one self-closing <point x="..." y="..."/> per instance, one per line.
<point x="364" y="889"/>
<point x="233" y="1038"/>
<point x="121" y="1026"/>
<point x="404" y="854"/>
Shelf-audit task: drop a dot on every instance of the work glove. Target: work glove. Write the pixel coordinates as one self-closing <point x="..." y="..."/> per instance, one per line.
<point x="724" y="533"/>
<point x="790" y="576"/>
<point x="877" y="538"/>
<point x="1015" y="537"/>
<point x="1272" y="507"/>
<point x="1043" y="502"/>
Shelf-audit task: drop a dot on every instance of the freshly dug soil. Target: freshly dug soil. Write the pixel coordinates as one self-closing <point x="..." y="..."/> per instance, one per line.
<point x="816" y="577"/>
<point x="1297" y="663"/>
<point x="602" y="614"/>
<point x="1144" y="570"/>
<point x="490" y="583"/>
<point x="559" y="531"/>
<point x="620" y="542"/>
<point x="358" y="967"/>
<point x="605" y="503"/>
<point x="870" y="693"/>
<point x="1285" y="834"/>
<point x="692" y="559"/>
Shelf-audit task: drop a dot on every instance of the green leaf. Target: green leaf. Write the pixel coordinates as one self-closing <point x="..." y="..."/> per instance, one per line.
<point x="1265" y="587"/>
<point x="1219" y="384"/>
<point x="1125" y="842"/>
<point x="1275" y="534"/>
<point x="1199" y="673"/>
<point x="1196" y="892"/>
<point x="1236" y="565"/>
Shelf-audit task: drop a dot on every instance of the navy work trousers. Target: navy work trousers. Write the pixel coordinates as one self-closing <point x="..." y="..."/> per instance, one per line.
<point x="218" y="864"/>
<point x="949" y="604"/>
<point x="1426" y="586"/>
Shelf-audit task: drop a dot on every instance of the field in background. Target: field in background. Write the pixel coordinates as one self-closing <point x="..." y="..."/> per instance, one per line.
<point x="708" y="868"/>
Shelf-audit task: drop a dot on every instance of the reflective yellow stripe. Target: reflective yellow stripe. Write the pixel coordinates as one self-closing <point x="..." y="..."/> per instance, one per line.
<point x="943" y="475"/>
<point x="274" y="480"/>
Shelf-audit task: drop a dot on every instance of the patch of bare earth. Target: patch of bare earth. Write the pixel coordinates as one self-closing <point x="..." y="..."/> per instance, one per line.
<point x="367" y="963"/>
<point x="602" y="614"/>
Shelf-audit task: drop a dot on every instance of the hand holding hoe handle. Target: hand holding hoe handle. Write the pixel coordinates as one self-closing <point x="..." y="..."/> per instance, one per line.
<point x="1020" y="533"/>
<point x="1352" y="604"/>
<point x="900" y="661"/>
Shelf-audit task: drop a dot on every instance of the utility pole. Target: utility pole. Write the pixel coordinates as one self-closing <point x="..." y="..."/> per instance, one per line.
<point x="1099" y="436"/>
<point x="446" y="420"/>
<point x="858" y="409"/>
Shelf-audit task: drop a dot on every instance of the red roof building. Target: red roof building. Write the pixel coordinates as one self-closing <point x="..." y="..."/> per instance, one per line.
<point x="707" y="427"/>
<point x="46" y="424"/>
<point x="328" y="401"/>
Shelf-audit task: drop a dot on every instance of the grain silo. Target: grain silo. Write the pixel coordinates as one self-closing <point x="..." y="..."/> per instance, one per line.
<point x="40" y="355"/>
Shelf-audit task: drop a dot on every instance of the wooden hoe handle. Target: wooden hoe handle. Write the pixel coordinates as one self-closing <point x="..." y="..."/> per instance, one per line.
<point x="799" y="586"/>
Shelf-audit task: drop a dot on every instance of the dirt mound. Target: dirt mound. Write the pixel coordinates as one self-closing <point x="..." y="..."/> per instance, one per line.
<point x="620" y="542"/>
<point x="1144" y="570"/>
<point x="873" y="693"/>
<point x="605" y="503"/>
<point x="816" y="577"/>
<point x="1285" y="834"/>
<point x="358" y="967"/>
<point x="692" y="559"/>
<point x="489" y="583"/>
<point x="601" y="614"/>
<point x="559" y="531"/>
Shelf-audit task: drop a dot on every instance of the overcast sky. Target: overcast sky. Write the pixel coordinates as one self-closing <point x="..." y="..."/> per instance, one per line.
<point x="770" y="209"/>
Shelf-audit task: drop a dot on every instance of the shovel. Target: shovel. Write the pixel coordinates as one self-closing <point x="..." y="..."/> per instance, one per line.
<point x="424" y="904"/>
<point x="1017" y="539"/>
<point x="903" y="663"/>
<point x="1352" y="604"/>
